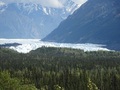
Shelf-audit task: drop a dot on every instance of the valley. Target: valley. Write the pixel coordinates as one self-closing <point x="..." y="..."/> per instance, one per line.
<point x="59" y="45"/>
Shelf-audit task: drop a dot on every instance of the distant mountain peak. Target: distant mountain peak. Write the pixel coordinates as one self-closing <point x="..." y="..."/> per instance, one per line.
<point x="32" y="20"/>
<point x="68" y="5"/>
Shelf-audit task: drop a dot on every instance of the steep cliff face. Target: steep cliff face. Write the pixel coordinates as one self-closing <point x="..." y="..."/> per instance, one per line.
<point x="28" y="20"/>
<point x="97" y="21"/>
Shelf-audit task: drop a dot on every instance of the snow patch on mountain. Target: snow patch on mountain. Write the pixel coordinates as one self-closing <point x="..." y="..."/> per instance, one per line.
<point x="45" y="11"/>
<point x="32" y="44"/>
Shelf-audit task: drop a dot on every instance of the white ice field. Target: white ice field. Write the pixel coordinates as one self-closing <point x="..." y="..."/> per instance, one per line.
<point x="32" y="44"/>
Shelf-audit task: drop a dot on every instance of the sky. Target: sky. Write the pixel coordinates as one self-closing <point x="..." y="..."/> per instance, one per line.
<point x="48" y="3"/>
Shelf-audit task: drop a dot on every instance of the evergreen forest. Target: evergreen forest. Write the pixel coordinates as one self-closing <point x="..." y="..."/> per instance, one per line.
<point x="49" y="68"/>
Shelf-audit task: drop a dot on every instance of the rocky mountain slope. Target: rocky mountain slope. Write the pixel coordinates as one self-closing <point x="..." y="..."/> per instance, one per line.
<point x="97" y="21"/>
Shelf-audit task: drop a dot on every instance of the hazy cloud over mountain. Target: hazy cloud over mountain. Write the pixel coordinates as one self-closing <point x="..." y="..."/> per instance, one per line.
<point x="1" y="3"/>
<point x="48" y="3"/>
<point x="79" y="1"/>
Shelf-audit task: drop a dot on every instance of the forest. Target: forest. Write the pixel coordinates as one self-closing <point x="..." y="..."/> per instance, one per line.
<point x="49" y="68"/>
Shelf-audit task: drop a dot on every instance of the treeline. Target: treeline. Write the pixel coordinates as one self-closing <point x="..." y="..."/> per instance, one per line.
<point x="50" y="68"/>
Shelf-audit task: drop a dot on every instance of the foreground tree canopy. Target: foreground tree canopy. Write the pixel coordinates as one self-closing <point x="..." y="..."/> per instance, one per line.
<point x="59" y="69"/>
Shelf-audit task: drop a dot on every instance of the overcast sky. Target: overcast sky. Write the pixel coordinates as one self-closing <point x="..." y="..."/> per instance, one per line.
<point x="49" y="3"/>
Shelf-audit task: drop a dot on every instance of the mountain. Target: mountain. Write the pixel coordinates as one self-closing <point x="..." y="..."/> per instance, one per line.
<point x="96" y="21"/>
<point x="28" y="20"/>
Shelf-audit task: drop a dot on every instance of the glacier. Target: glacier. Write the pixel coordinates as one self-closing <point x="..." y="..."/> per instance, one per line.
<point x="32" y="44"/>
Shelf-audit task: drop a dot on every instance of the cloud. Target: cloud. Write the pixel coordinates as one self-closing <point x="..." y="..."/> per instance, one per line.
<point x="48" y="3"/>
<point x="51" y="3"/>
<point x="1" y="3"/>
<point x="79" y="1"/>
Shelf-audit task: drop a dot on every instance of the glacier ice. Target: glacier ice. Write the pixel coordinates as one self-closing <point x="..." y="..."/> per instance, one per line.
<point x="32" y="44"/>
